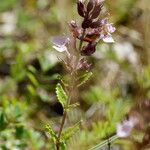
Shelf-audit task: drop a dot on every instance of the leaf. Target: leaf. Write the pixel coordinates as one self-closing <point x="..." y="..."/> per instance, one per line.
<point x="19" y="131"/>
<point x="69" y="132"/>
<point x="61" y="94"/>
<point x="31" y="90"/>
<point x="85" y="78"/>
<point x="72" y="106"/>
<point x="51" y="132"/>
<point x="18" y="70"/>
<point x="3" y="121"/>
<point x="33" y="79"/>
<point x="63" y="146"/>
<point x="32" y="69"/>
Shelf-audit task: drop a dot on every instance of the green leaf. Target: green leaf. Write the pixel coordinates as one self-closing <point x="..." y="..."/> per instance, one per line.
<point x="61" y="95"/>
<point x="33" y="79"/>
<point x="72" y="106"/>
<point x="32" y="69"/>
<point x="3" y="121"/>
<point x="51" y="132"/>
<point x="83" y="79"/>
<point x="19" y="131"/>
<point x="69" y="132"/>
<point x="18" y="70"/>
<point x="63" y="146"/>
<point x="31" y="89"/>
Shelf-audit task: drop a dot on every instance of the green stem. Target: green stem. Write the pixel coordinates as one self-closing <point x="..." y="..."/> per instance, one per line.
<point x="104" y="143"/>
<point x="60" y="131"/>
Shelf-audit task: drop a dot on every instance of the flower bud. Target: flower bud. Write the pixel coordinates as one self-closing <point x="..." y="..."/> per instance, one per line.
<point x="96" y="11"/>
<point x="86" y="23"/>
<point x="89" y="49"/>
<point x="95" y="24"/>
<point x="81" y="8"/>
<point x="90" y="5"/>
<point x="83" y="65"/>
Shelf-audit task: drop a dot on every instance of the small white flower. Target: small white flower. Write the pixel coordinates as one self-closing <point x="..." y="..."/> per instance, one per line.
<point x="110" y="28"/>
<point x="61" y="48"/>
<point x="124" y="128"/>
<point x="60" y="43"/>
<point x="108" y="39"/>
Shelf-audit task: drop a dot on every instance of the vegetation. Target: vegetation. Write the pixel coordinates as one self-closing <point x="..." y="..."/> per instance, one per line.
<point x="59" y="92"/>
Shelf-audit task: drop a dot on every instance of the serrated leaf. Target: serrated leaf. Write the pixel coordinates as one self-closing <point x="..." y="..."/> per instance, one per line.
<point x="51" y="132"/>
<point x="69" y="132"/>
<point x="61" y="94"/>
<point x="85" y="78"/>
<point x="73" y="106"/>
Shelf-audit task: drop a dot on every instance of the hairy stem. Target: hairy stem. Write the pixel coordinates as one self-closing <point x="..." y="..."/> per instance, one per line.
<point x="81" y="42"/>
<point x="72" y="89"/>
<point x="60" y="131"/>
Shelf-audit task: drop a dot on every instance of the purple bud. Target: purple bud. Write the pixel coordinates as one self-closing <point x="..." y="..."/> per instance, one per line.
<point x="95" y="24"/>
<point x="89" y="49"/>
<point x="81" y="8"/>
<point x="90" y="5"/>
<point x="86" y="23"/>
<point x="83" y="65"/>
<point x="96" y="11"/>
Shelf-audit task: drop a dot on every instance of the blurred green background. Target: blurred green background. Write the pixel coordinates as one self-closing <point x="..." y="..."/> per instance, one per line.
<point x="29" y="71"/>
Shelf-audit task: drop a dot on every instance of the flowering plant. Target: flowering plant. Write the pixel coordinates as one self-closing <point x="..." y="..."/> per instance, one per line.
<point x="81" y="43"/>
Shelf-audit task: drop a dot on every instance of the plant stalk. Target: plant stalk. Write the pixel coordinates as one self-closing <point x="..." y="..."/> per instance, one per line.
<point x="72" y="85"/>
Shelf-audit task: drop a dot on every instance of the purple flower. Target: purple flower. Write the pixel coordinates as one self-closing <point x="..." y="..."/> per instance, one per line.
<point x="89" y="49"/>
<point x="107" y="30"/>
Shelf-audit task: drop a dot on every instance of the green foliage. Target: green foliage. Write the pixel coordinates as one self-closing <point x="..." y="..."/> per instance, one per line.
<point x="14" y="130"/>
<point x="70" y="131"/>
<point x="25" y="19"/>
<point x="61" y="95"/>
<point x="17" y="70"/>
<point x="122" y="8"/>
<point x="51" y="132"/>
<point x="98" y="94"/>
<point x="84" y="78"/>
<point x="7" y="4"/>
<point x="29" y="73"/>
<point x="143" y="78"/>
<point x="73" y="106"/>
<point x="3" y="121"/>
<point x="33" y="79"/>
